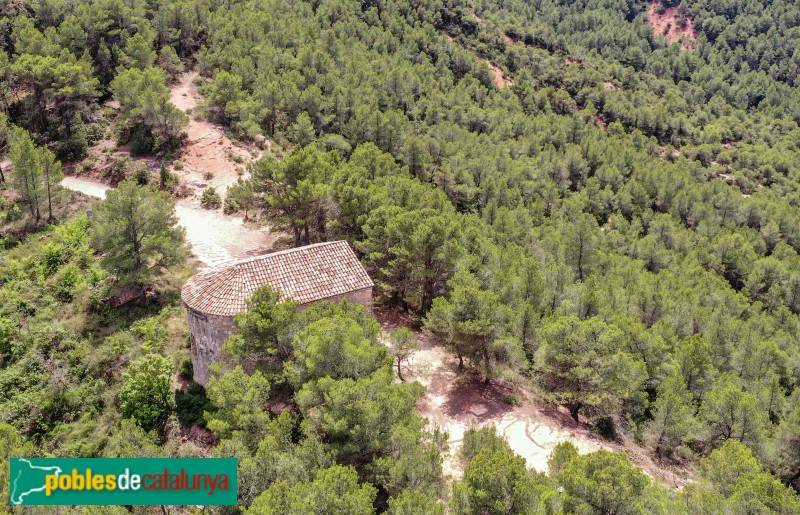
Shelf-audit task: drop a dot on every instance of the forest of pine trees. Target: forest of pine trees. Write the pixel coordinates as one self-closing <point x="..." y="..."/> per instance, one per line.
<point x="616" y="228"/>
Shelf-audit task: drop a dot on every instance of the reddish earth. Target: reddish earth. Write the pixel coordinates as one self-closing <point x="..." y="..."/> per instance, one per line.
<point x="572" y="60"/>
<point x="207" y="149"/>
<point x="208" y="152"/>
<point x="668" y="22"/>
<point x="454" y="402"/>
<point x="500" y="78"/>
<point x="199" y="441"/>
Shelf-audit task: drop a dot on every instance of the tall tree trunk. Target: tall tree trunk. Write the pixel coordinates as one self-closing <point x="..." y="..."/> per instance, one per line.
<point x="29" y="194"/>
<point x="487" y="361"/>
<point x="427" y="295"/>
<point x="49" y="193"/>
<point x="658" y="444"/>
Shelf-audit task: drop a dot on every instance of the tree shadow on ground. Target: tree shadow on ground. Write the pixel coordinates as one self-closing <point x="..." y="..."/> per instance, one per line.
<point x="472" y="399"/>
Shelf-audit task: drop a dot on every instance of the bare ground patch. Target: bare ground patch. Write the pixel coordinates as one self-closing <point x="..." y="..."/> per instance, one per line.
<point x="500" y="78"/>
<point x="208" y="155"/>
<point x="209" y="158"/>
<point x="454" y="402"/>
<point x="672" y="24"/>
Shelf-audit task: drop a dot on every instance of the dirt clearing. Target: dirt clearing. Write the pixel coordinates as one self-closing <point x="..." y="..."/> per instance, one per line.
<point x="454" y="403"/>
<point x="208" y="157"/>
<point x="500" y="78"/>
<point x="215" y="238"/>
<point x="672" y="24"/>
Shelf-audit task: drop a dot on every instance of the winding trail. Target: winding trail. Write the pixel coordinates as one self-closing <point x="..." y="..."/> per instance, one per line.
<point x="453" y="403"/>
<point x="215" y="238"/>
<point x="209" y="159"/>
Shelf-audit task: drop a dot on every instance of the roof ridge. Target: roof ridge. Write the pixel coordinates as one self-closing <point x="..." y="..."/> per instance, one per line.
<point x="232" y="263"/>
<point x="304" y="274"/>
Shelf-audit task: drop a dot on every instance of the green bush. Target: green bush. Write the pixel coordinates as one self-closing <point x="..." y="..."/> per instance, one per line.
<point x="141" y="173"/>
<point x="145" y="395"/>
<point x="142" y="141"/>
<point x="231" y="206"/>
<point x="236" y="158"/>
<point x="7" y="330"/>
<point x="186" y="371"/>
<point x="211" y="199"/>
<point x="66" y="282"/>
<point x="52" y="257"/>
<point x="190" y="405"/>
<point x="119" y="169"/>
<point x="605" y="427"/>
<point x="9" y="211"/>
<point x="152" y="332"/>
<point x="166" y="179"/>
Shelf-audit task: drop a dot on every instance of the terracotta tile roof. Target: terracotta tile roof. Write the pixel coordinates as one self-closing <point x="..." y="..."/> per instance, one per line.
<point x="305" y="274"/>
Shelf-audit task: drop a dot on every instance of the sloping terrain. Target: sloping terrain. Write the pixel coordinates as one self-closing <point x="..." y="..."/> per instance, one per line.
<point x="454" y="403"/>
<point x="672" y="24"/>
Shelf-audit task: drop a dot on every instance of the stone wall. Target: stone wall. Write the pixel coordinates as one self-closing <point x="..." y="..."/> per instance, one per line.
<point x="208" y="332"/>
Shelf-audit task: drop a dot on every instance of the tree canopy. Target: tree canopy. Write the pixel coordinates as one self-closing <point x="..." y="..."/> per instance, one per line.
<point x="136" y="229"/>
<point x="564" y="197"/>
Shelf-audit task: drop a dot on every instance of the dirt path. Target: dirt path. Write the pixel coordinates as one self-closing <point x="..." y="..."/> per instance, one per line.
<point x="208" y="156"/>
<point x="215" y="238"/>
<point x="500" y="78"/>
<point x="532" y="429"/>
<point x="454" y="405"/>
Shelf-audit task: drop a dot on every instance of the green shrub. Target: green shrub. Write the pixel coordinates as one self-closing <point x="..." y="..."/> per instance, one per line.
<point x="145" y="395"/>
<point x="66" y="282"/>
<point x="9" y="211"/>
<point x="52" y="257"/>
<point x="142" y="141"/>
<point x="190" y="406"/>
<point x="166" y="179"/>
<point x="7" y="330"/>
<point x="141" y="173"/>
<point x="605" y="427"/>
<point x="186" y="371"/>
<point x="121" y="342"/>
<point x="231" y="206"/>
<point x="211" y="199"/>
<point x="119" y="169"/>
<point x="236" y="158"/>
<point x="152" y="332"/>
